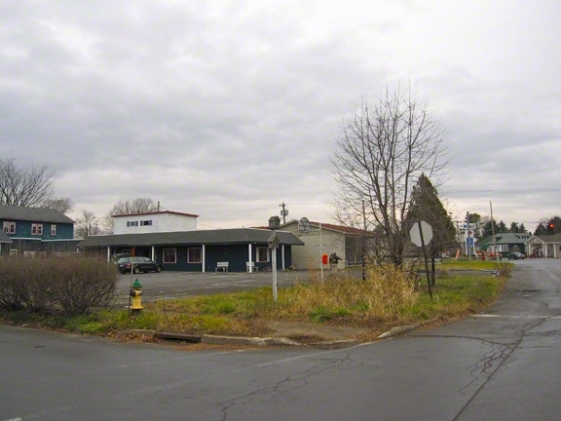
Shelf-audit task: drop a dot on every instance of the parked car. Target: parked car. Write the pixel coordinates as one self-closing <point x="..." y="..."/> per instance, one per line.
<point x="139" y="264"/>
<point x="516" y="255"/>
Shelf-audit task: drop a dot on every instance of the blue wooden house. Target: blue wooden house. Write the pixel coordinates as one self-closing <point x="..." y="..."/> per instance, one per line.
<point x="35" y="230"/>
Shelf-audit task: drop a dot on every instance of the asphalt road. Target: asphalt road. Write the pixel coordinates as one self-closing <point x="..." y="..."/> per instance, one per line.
<point x="501" y="365"/>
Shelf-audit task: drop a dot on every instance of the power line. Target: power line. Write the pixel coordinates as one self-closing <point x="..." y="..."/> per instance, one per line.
<point x="505" y="191"/>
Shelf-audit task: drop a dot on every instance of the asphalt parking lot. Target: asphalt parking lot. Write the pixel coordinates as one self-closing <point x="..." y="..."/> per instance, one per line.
<point x="179" y="284"/>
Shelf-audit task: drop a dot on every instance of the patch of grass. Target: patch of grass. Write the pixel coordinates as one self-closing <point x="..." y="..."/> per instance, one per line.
<point x="386" y="297"/>
<point x="457" y="296"/>
<point x="471" y="264"/>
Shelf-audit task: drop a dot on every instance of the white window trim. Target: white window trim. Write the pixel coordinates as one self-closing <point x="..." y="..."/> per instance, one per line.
<point x="257" y="256"/>
<point x="53" y="230"/>
<point x="37" y="229"/>
<point x="9" y="227"/>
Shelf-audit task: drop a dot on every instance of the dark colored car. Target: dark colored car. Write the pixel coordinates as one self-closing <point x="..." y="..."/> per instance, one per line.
<point x="139" y="264"/>
<point x="516" y="255"/>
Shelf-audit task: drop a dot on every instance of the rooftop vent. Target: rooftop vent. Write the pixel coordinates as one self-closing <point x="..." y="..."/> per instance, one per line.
<point x="274" y="222"/>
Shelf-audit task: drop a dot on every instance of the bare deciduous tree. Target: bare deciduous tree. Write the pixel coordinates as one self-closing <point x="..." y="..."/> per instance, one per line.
<point x="24" y="187"/>
<point x="381" y="152"/>
<point x="139" y="205"/>
<point x="61" y="204"/>
<point x="86" y="225"/>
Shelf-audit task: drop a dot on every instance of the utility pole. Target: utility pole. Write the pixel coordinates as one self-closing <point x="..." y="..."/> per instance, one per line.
<point x="284" y="212"/>
<point x="364" y="242"/>
<point x="493" y="231"/>
<point x="468" y="250"/>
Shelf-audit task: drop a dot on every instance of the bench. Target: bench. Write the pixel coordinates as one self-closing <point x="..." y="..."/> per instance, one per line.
<point x="250" y="267"/>
<point x="223" y="266"/>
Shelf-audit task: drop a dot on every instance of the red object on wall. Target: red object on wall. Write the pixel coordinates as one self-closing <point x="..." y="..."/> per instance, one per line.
<point x="324" y="259"/>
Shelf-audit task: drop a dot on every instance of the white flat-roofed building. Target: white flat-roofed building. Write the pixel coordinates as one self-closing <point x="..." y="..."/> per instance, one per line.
<point x="152" y="222"/>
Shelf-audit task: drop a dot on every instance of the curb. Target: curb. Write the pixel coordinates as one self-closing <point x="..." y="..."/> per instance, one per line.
<point x="243" y="340"/>
<point x="172" y="336"/>
<point x="268" y="341"/>
<point x="400" y="330"/>
<point x="240" y="340"/>
<point x="335" y="344"/>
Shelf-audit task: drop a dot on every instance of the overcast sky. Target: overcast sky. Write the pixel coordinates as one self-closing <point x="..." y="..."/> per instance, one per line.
<point x="226" y="109"/>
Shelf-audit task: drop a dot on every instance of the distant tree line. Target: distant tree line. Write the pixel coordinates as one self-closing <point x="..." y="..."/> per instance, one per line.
<point x="547" y="226"/>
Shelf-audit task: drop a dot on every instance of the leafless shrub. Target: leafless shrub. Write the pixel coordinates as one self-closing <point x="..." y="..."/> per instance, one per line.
<point x="83" y="283"/>
<point x="75" y="283"/>
<point x="11" y="288"/>
<point x="23" y="284"/>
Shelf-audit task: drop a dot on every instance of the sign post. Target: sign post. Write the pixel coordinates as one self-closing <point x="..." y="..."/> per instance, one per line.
<point x="273" y="245"/>
<point x="421" y="234"/>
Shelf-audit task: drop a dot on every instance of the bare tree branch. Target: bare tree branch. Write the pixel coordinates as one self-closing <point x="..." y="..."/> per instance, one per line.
<point x="24" y="187"/>
<point x="86" y="225"/>
<point x="381" y="152"/>
<point x="139" y="205"/>
<point x="61" y="204"/>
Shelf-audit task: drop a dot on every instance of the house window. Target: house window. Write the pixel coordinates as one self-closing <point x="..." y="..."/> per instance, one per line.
<point x="132" y="223"/>
<point x="9" y="227"/>
<point x="170" y="256"/>
<point x="53" y="230"/>
<point x="145" y="223"/>
<point x="194" y="255"/>
<point x="502" y="248"/>
<point x="262" y="254"/>
<point x="36" y="229"/>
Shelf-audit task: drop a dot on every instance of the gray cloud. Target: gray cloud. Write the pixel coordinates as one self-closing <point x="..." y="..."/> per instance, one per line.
<point x="228" y="109"/>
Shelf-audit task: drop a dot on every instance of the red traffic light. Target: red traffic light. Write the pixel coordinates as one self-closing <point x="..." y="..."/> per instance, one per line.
<point x="551" y="226"/>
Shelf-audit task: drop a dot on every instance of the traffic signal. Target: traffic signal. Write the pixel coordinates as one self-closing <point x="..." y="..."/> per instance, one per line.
<point x="324" y="259"/>
<point x="551" y="226"/>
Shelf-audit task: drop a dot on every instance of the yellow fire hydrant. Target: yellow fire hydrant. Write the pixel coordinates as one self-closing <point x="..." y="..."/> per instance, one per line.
<point x="136" y="293"/>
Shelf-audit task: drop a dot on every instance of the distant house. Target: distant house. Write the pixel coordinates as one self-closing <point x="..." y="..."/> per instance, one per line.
<point x="346" y="242"/>
<point x="504" y="243"/>
<point x="34" y="230"/>
<point x="171" y="238"/>
<point x="544" y="246"/>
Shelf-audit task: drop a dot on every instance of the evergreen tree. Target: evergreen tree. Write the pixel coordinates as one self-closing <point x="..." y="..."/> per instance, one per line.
<point x="501" y="227"/>
<point x="540" y="230"/>
<point x="426" y="206"/>
<point x="488" y="228"/>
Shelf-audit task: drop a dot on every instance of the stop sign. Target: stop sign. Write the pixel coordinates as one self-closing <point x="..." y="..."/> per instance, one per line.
<point x="415" y="233"/>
